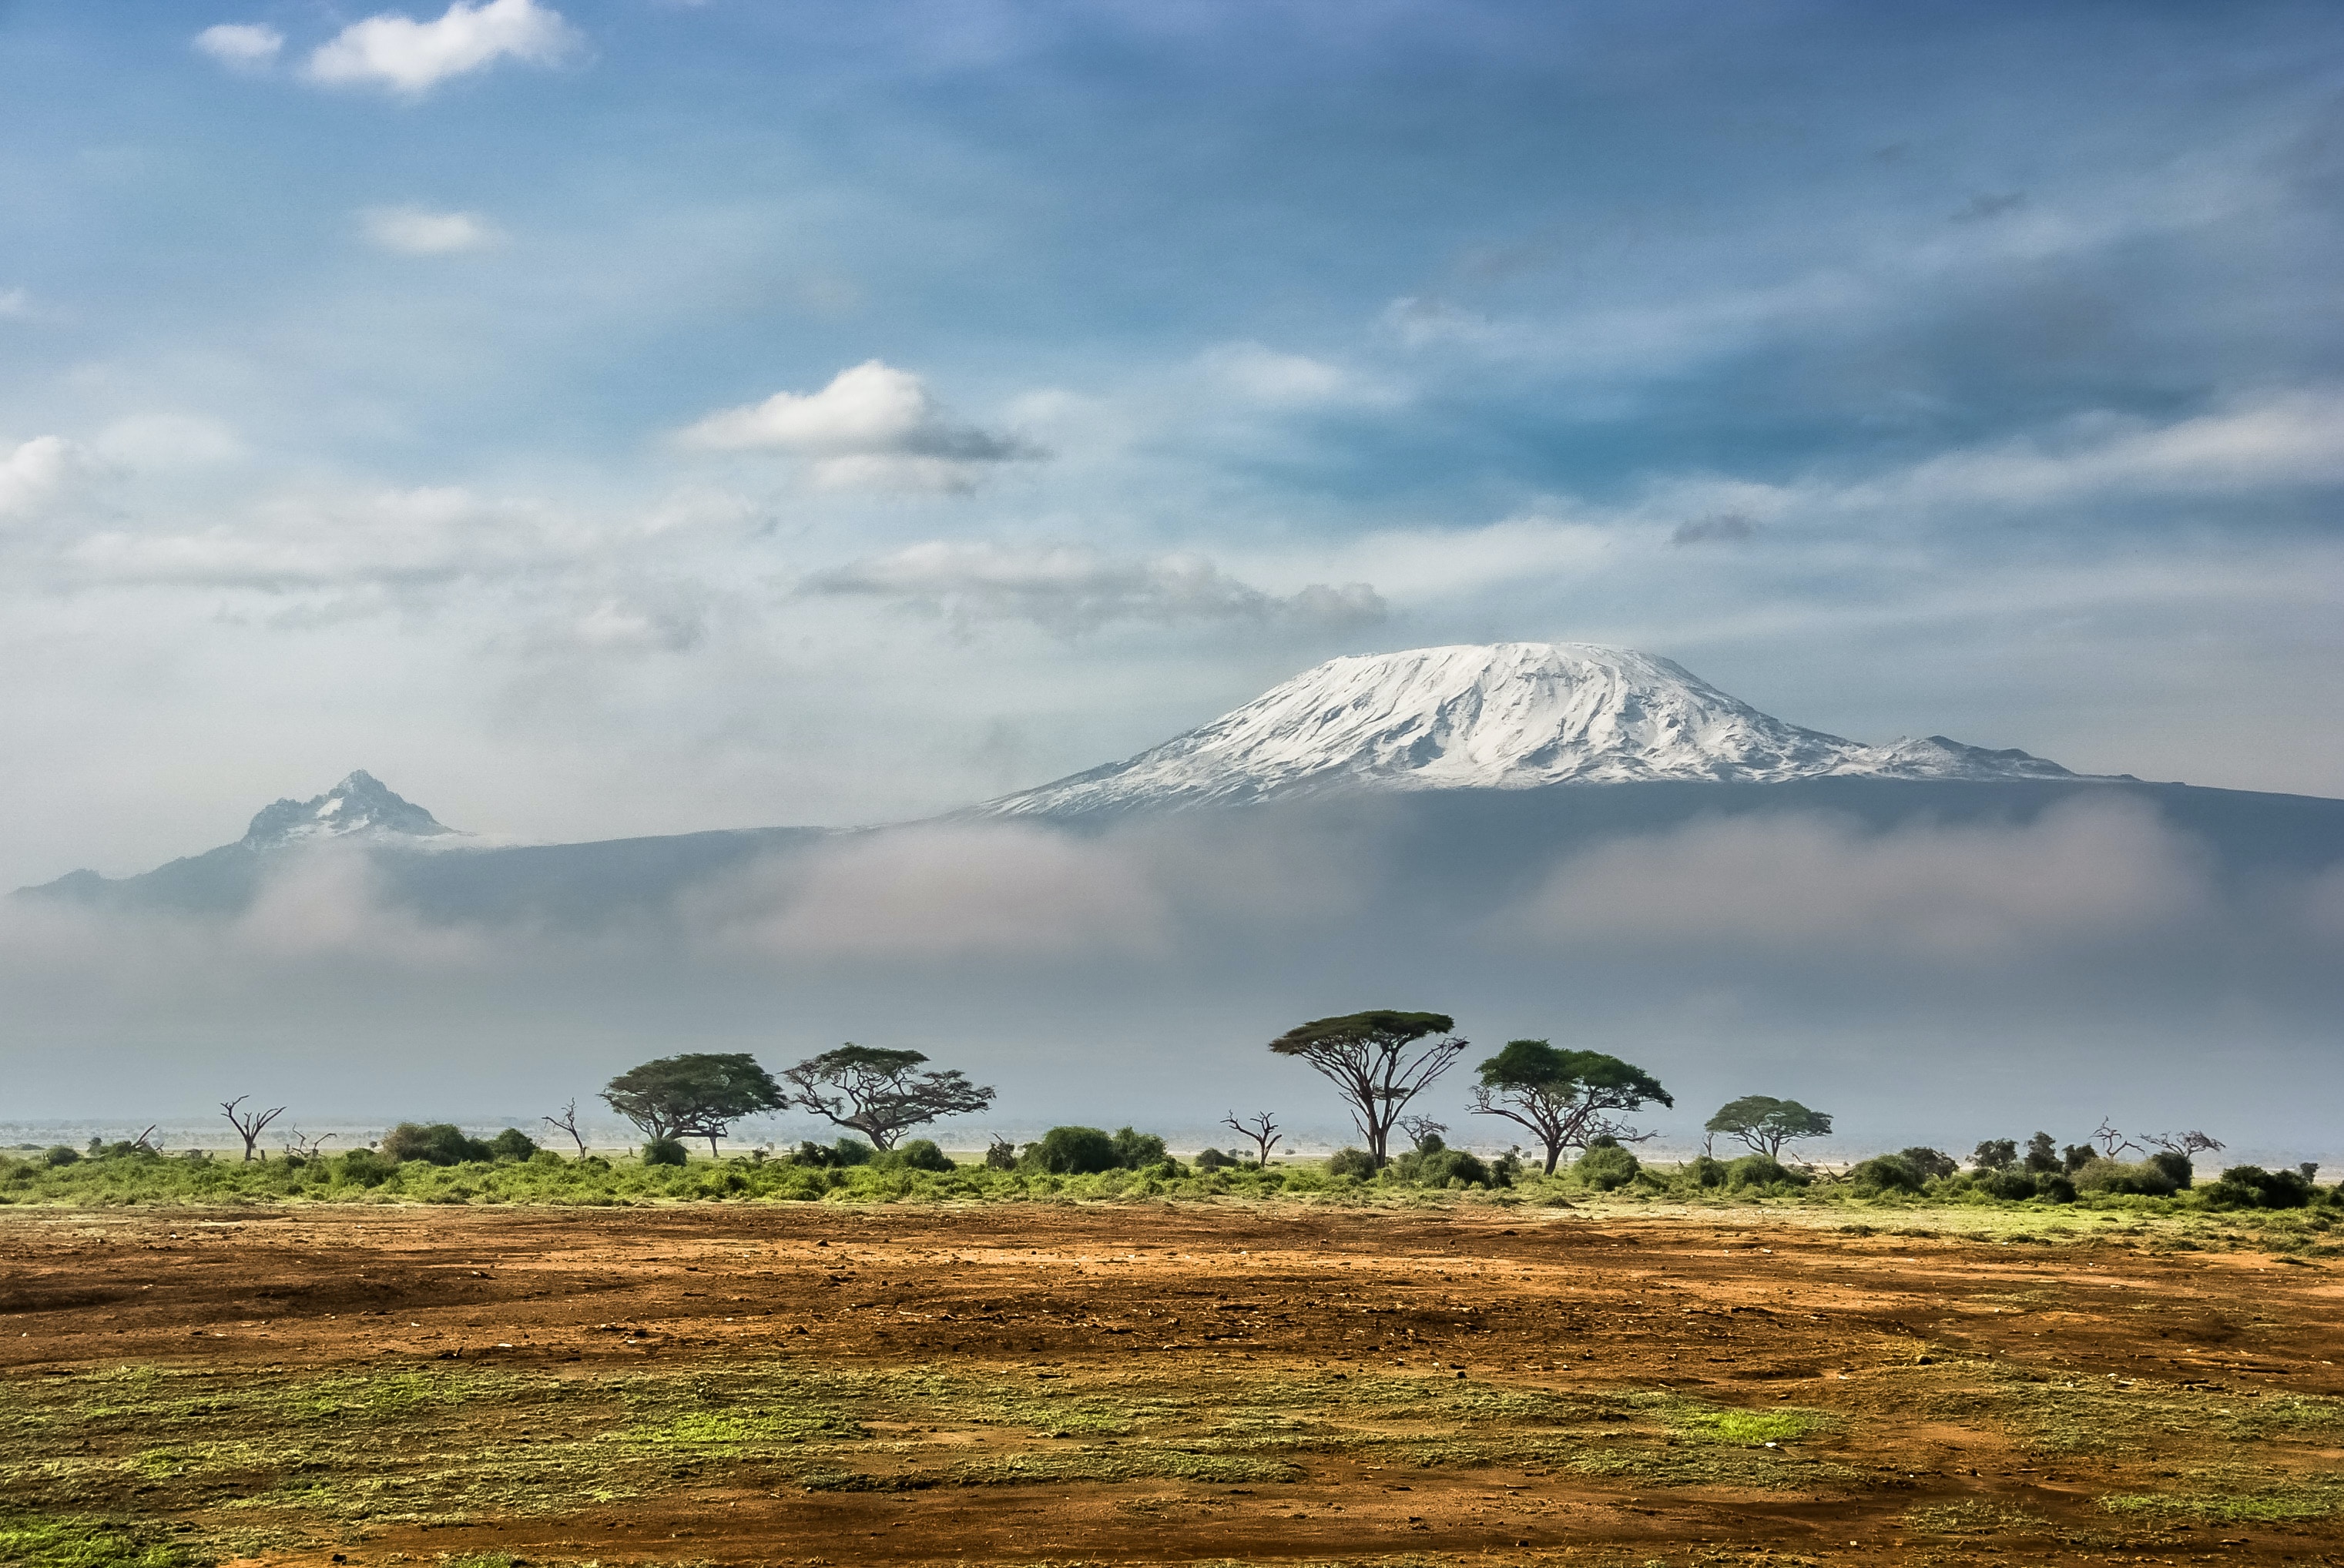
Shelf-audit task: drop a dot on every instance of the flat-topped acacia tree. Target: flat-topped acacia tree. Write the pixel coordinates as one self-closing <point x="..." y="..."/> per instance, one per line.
<point x="699" y="1094"/>
<point x="875" y="1091"/>
<point x="1377" y="1062"/>
<point x="1565" y="1098"/>
<point x="1766" y="1124"/>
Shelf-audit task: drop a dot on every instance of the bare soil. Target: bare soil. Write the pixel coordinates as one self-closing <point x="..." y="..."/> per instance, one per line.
<point x="1151" y="1383"/>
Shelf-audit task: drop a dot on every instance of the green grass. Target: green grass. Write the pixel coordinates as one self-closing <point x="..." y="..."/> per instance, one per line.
<point x="74" y="1542"/>
<point x="2266" y="1502"/>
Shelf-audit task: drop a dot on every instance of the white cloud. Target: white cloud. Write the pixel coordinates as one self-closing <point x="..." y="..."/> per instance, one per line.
<point x="419" y="231"/>
<point x="1262" y="375"/>
<point x="15" y="305"/>
<point x="167" y="441"/>
<point x="874" y="426"/>
<point x="2081" y="874"/>
<point x="1071" y="589"/>
<point x="241" y="45"/>
<point x="412" y="57"/>
<point x="38" y="472"/>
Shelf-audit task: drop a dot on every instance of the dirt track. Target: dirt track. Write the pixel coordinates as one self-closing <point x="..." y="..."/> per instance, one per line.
<point x="761" y="1385"/>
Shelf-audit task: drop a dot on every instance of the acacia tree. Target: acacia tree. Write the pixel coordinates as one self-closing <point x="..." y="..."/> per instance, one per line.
<point x="249" y="1124"/>
<point x="875" y="1091"/>
<point x="699" y="1094"/>
<point x="1376" y="1062"/>
<point x="1766" y="1124"/>
<point x="1565" y="1098"/>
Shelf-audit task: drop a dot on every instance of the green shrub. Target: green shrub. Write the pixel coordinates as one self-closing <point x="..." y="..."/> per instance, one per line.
<point x="1001" y="1155"/>
<point x="1707" y="1171"/>
<point x="1996" y="1154"/>
<point x="1606" y="1167"/>
<point x="919" y="1154"/>
<point x="442" y="1143"/>
<point x="2252" y="1187"/>
<point x="2148" y="1178"/>
<point x="362" y="1168"/>
<point x="1073" y="1151"/>
<point x="1763" y="1170"/>
<point x="1214" y="1160"/>
<point x="1886" y="1173"/>
<point x="1354" y="1163"/>
<point x="1440" y="1165"/>
<point x="1933" y="1164"/>
<point x="2056" y="1186"/>
<point x="1138" y="1150"/>
<point x="2175" y="1164"/>
<point x="512" y="1143"/>
<point x="61" y="1155"/>
<point x="666" y="1151"/>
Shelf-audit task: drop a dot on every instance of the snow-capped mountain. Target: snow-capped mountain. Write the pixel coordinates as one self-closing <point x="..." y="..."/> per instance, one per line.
<point x="1509" y="716"/>
<point x="359" y="805"/>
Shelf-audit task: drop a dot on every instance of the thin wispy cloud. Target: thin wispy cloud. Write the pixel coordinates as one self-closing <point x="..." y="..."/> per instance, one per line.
<point x="241" y="45"/>
<point x="421" y="231"/>
<point x="1071" y="589"/>
<point x="872" y="427"/>
<point x="409" y="57"/>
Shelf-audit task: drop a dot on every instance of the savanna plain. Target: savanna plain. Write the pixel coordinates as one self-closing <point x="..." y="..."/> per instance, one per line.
<point x="1439" y="1381"/>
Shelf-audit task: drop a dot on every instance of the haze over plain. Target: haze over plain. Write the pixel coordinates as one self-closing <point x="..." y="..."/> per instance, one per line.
<point x="643" y="418"/>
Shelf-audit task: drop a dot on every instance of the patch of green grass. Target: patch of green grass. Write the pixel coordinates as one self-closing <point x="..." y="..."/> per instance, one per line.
<point x="1748" y="1428"/>
<point x="1972" y="1518"/>
<point x="71" y="1543"/>
<point x="2267" y="1503"/>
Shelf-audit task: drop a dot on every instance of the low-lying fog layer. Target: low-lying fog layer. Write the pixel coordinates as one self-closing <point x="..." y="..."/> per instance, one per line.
<point x="1943" y="976"/>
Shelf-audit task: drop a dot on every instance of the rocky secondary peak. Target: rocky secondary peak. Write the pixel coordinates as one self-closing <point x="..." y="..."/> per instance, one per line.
<point x="360" y="804"/>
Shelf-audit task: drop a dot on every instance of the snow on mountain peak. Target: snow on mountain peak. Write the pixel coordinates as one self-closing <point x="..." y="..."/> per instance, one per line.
<point x="361" y="805"/>
<point x="1512" y="715"/>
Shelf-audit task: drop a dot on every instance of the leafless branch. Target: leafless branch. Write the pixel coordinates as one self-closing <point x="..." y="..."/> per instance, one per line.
<point x="249" y="1124"/>
<point x="1260" y="1127"/>
<point x="567" y="1123"/>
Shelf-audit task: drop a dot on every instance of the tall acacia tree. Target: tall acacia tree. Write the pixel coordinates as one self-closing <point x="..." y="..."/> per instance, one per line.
<point x="699" y="1094"/>
<point x="876" y="1092"/>
<point x="1377" y="1062"/>
<point x="1565" y="1098"/>
<point x="1766" y="1124"/>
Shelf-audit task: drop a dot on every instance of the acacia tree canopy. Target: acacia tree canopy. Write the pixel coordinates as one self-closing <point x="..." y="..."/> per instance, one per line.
<point x="697" y="1095"/>
<point x="1564" y="1098"/>
<point x="1376" y="1062"/>
<point x="875" y="1091"/>
<point x="1765" y="1123"/>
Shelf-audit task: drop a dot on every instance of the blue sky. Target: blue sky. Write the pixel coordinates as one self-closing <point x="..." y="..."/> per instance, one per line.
<point x="638" y="416"/>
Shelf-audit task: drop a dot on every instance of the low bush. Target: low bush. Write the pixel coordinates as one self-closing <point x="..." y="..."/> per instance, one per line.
<point x="837" y="1156"/>
<point x="1933" y="1164"/>
<point x="1072" y="1151"/>
<point x="2148" y="1179"/>
<point x="2175" y="1164"/>
<point x="61" y="1155"/>
<point x="1136" y="1150"/>
<point x="1214" y="1160"/>
<point x="1707" y="1171"/>
<point x="1439" y="1165"/>
<point x="440" y="1143"/>
<point x="512" y="1143"/>
<point x="1001" y="1155"/>
<point x="919" y="1154"/>
<point x="666" y="1151"/>
<point x="1354" y="1162"/>
<point x="1763" y="1170"/>
<point x="2252" y="1187"/>
<point x="362" y="1168"/>
<point x="1886" y="1173"/>
<point x="1605" y="1167"/>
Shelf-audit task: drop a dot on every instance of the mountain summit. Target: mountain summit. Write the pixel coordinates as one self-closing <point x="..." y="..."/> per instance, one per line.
<point x="1509" y="715"/>
<point x="360" y="804"/>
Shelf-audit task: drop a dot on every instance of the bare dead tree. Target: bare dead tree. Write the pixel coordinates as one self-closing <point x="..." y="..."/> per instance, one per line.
<point x="567" y="1123"/>
<point x="146" y="1140"/>
<point x="2183" y="1143"/>
<point x="250" y="1124"/>
<point x="301" y="1145"/>
<point x="2111" y="1142"/>
<point x="1260" y="1127"/>
<point x="1420" y="1127"/>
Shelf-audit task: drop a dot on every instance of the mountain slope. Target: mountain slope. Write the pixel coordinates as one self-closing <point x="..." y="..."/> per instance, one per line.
<point x="1509" y="716"/>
